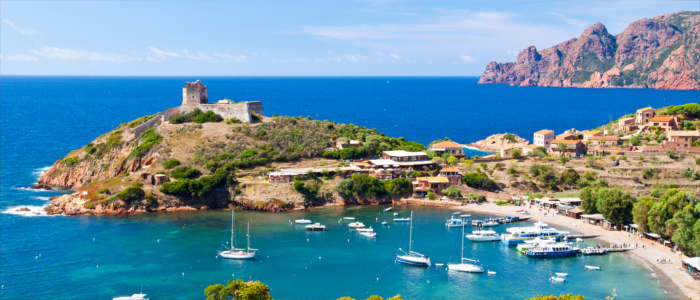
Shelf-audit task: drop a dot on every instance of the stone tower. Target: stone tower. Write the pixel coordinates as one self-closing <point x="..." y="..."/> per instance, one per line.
<point x="194" y="93"/>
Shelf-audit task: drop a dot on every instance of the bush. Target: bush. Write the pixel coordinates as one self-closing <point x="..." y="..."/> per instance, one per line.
<point x="399" y="187"/>
<point x="569" y="177"/>
<point x="196" y="116"/>
<point x="516" y="153"/>
<point x="131" y="195"/>
<point x="185" y="172"/>
<point x="233" y="121"/>
<point x="70" y="161"/>
<point x="362" y="185"/>
<point x="480" y="181"/>
<point x="650" y="173"/>
<point x="171" y="163"/>
<point x="452" y="192"/>
<point x="509" y="137"/>
<point x="147" y="140"/>
<point x="203" y="186"/>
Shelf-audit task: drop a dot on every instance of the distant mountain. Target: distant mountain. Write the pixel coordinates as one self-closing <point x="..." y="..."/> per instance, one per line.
<point x="661" y="53"/>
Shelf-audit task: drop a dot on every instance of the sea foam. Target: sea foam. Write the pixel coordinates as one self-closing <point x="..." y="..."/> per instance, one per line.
<point x="26" y="211"/>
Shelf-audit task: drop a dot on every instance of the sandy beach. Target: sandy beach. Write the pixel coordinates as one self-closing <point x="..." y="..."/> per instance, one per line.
<point x="678" y="283"/>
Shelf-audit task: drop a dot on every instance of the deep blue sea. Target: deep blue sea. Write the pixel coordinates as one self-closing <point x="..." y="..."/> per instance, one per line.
<point x="173" y="256"/>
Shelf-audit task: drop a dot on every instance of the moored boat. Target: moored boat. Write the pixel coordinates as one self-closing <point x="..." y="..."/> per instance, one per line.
<point x="356" y="225"/>
<point x="593" y="251"/>
<point x="411" y="257"/>
<point x="552" y="250"/>
<point x="466" y="264"/>
<point x="349" y="218"/>
<point x="402" y="219"/>
<point x="559" y="274"/>
<point x="588" y="267"/>
<point x="302" y="221"/>
<point x="139" y="296"/>
<point x="455" y="222"/>
<point x="557" y="279"/>
<point x="517" y="235"/>
<point x="316" y="227"/>
<point x="238" y="253"/>
<point x="483" y="236"/>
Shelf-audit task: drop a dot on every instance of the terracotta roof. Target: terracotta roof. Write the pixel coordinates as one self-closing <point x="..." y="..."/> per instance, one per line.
<point x="449" y="169"/>
<point x="645" y="109"/>
<point x="544" y="131"/>
<point x="571" y="142"/>
<point x="684" y="133"/>
<point x="532" y="146"/>
<point x="661" y="119"/>
<point x="434" y="179"/>
<point x="446" y="144"/>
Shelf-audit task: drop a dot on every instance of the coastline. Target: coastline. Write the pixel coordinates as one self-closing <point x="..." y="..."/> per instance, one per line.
<point x="675" y="281"/>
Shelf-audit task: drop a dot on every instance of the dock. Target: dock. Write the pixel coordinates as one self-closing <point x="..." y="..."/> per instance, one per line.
<point x="618" y="249"/>
<point x="582" y="236"/>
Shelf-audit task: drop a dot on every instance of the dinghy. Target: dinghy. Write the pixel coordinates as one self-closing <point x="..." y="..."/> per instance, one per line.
<point x="556" y="279"/>
<point x="561" y="274"/>
<point x="592" y="267"/>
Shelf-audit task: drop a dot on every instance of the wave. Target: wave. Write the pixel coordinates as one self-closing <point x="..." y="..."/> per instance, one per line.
<point x="30" y="189"/>
<point x="40" y="171"/>
<point x="43" y="198"/>
<point x="27" y="211"/>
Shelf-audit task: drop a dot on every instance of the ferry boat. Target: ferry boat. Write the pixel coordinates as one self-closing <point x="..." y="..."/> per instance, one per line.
<point x="483" y="236"/>
<point x="522" y="247"/>
<point x="551" y="250"/>
<point x="455" y="222"/>
<point x="411" y="257"/>
<point x="517" y="235"/>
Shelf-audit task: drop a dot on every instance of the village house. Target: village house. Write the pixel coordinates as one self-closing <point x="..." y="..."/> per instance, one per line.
<point x="448" y="147"/>
<point x="452" y="175"/>
<point x="643" y="115"/>
<point x="626" y="124"/>
<point x="604" y="150"/>
<point x="682" y="138"/>
<point x="665" y="122"/>
<point x="568" y="148"/>
<point x="587" y="134"/>
<point x="543" y="138"/>
<point x="407" y="159"/>
<point x="567" y="136"/>
<point x="421" y="185"/>
<point x="608" y="140"/>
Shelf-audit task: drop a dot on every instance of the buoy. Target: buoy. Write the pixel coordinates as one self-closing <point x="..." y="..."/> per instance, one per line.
<point x="307" y="240"/>
<point x="97" y="266"/>
<point x="319" y="257"/>
<point x="377" y="278"/>
<point x="183" y="273"/>
<point x="93" y="238"/>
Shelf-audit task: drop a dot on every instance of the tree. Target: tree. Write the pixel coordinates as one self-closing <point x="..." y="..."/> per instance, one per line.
<point x="516" y="153"/>
<point x="640" y="212"/>
<point x="451" y="160"/>
<point x="588" y="200"/>
<point x="452" y="192"/>
<point x="686" y="232"/>
<point x="615" y="205"/>
<point x="480" y="181"/>
<point x="309" y="190"/>
<point x="399" y="187"/>
<point x="569" y="177"/>
<point x="238" y="290"/>
<point x="131" y="194"/>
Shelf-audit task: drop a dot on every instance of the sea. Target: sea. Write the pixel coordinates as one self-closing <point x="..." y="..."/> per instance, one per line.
<point x="173" y="256"/>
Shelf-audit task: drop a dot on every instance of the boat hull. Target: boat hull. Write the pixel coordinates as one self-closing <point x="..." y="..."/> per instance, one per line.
<point x="478" y="238"/>
<point x="469" y="268"/>
<point x="414" y="261"/>
<point x="237" y="254"/>
<point x="552" y="254"/>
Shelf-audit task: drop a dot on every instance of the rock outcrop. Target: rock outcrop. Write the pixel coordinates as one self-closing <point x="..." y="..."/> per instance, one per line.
<point x="496" y="142"/>
<point x="661" y="53"/>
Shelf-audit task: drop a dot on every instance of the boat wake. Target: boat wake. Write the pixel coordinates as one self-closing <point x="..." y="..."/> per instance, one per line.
<point x="26" y="211"/>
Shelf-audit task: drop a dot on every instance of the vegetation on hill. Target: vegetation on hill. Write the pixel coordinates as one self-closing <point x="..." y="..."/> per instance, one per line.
<point x="560" y="297"/>
<point x="238" y="290"/>
<point x="363" y="186"/>
<point x="196" y="116"/>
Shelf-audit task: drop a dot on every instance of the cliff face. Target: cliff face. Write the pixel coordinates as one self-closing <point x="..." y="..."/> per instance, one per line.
<point x="660" y="53"/>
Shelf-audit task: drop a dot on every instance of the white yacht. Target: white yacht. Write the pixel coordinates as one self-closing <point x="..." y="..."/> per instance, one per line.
<point x="483" y="236"/>
<point x="411" y="257"/>
<point x="356" y="225"/>
<point x="139" y="296"/>
<point x="517" y="235"/>
<point x="466" y="264"/>
<point x="302" y="221"/>
<point x="238" y="253"/>
<point x="367" y="232"/>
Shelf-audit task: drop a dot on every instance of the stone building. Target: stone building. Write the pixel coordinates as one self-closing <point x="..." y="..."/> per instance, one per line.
<point x="196" y="95"/>
<point x="644" y="114"/>
<point x="448" y="147"/>
<point x="543" y="138"/>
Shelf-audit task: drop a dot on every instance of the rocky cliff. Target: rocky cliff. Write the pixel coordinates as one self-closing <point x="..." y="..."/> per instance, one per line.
<point x="661" y="53"/>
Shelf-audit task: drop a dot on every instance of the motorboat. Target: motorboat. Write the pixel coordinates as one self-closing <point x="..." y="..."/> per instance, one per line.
<point x="492" y="273"/>
<point x="402" y="219"/>
<point x="302" y="221"/>
<point x="592" y="267"/>
<point x="396" y="214"/>
<point x="490" y="223"/>
<point x="316" y="227"/>
<point x="356" y="225"/>
<point x="593" y="251"/>
<point x="456" y="213"/>
<point x="559" y="274"/>
<point x="385" y="223"/>
<point x="363" y="229"/>
<point x="349" y="218"/>
<point x="388" y="208"/>
<point x="465" y="216"/>
<point x="517" y="235"/>
<point x="483" y="236"/>
<point x="466" y="264"/>
<point x="369" y="234"/>
<point x="139" y="296"/>
<point x="557" y="279"/>
<point x="552" y="250"/>
<point x="522" y="247"/>
<point x="238" y="253"/>
<point x="455" y="222"/>
<point x="411" y="257"/>
<point x="477" y="223"/>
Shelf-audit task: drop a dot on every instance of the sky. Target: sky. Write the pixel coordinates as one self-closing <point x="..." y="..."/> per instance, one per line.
<point x="294" y="38"/>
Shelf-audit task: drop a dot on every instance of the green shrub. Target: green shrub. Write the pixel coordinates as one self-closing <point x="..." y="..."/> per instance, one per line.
<point x="452" y="192"/>
<point x="399" y="187"/>
<point x="233" y="121"/>
<point x="131" y="194"/>
<point x="171" y="163"/>
<point x="70" y="161"/>
<point x="185" y="172"/>
<point x="480" y="181"/>
<point x="147" y="140"/>
<point x="650" y="173"/>
<point x="105" y="191"/>
<point x="196" y="116"/>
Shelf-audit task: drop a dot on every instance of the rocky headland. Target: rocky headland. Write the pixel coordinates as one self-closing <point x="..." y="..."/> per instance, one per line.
<point x="660" y="53"/>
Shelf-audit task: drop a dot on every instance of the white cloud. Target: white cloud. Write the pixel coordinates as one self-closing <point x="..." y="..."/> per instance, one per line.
<point x="18" y="57"/>
<point x="467" y="59"/>
<point x="159" y="55"/>
<point x="571" y="21"/>
<point x="395" y="56"/>
<point x="50" y="52"/>
<point x="21" y="30"/>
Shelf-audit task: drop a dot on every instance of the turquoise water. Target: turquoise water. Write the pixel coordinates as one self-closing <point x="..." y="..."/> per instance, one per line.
<point x="43" y="118"/>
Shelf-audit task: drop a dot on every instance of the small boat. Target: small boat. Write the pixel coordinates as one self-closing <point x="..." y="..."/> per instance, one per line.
<point x="139" y="296"/>
<point x="238" y="253"/>
<point x="369" y="234"/>
<point x="411" y="257"/>
<point x="439" y="265"/>
<point x="559" y="274"/>
<point x="363" y="229"/>
<point x="592" y="267"/>
<point x="302" y="221"/>
<point x="349" y="218"/>
<point x="456" y="213"/>
<point x="593" y="251"/>
<point x="388" y="208"/>
<point x="465" y="216"/>
<point x="557" y="279"/>
<point x="385" y="223"/>
<point x="466" y="264"/>
<point x="396" y="214"/>
<point x="477" y="223"/>
<point x="316" y="227"/>
<point x="483" y="236"/>
<point x="402" y="219"/>
<point x="356" y="225"/>
<point x="491" y="223"/>
<point x="517" y="235"/>
<point x="455" y="222"/>
<point x="492" y="273"/>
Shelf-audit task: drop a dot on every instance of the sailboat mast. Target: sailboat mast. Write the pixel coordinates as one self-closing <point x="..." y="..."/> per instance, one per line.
<point x="231" y="246"/>
<point x="248" y="237"/>
<point x="462" y="253"/>
<point x="410" y="234"/>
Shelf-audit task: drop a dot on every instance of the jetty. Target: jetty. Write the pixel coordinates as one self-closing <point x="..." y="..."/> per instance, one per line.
<point x="582" y="236"/>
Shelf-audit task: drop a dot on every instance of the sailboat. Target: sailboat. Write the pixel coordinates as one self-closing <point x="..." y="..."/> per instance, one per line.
<point x="238" y="253"/>
<point x="411" y="257"/>
<point x="466" y="264"/>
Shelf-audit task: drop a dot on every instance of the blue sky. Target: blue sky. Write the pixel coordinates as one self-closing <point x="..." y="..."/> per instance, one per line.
<point x="308" y="38"/>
